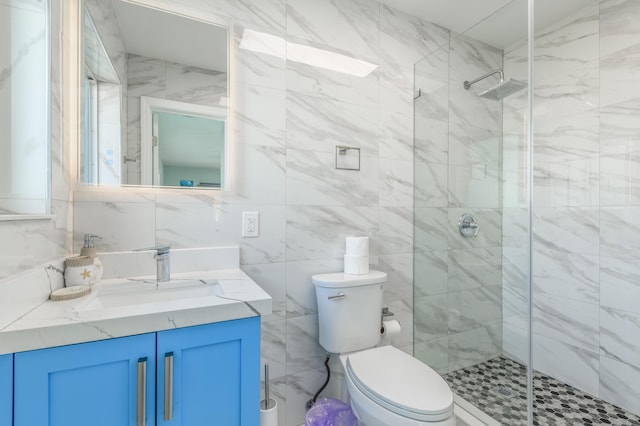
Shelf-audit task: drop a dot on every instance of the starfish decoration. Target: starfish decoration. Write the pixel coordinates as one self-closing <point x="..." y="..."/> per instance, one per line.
<point x="86" y="274"/>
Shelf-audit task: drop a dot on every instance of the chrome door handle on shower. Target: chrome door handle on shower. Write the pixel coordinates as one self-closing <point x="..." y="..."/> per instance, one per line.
<point x="468" y="226"/>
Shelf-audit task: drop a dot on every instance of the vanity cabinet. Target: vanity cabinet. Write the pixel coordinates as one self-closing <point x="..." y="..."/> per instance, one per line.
<point x="6" y="389"/>
<point x="207" y="374"/>
<point x="216" y="374"/>
<point x="98" y="383"/>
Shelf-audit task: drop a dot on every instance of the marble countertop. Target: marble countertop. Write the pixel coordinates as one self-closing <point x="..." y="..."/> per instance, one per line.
<point x="120" y="307"/>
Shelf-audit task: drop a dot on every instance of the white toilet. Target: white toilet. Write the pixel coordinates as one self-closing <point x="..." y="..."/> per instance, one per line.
<point x="386" y="387"/>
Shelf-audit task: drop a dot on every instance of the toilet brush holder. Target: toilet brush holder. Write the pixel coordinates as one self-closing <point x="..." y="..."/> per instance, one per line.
<point x="268" y="406"/>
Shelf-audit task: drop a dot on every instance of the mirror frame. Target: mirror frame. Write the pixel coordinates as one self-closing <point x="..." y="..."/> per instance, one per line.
<point x="227" y="177"/>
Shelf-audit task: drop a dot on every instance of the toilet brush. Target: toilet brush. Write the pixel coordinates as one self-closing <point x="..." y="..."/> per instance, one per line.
<point x="268" y="406"/>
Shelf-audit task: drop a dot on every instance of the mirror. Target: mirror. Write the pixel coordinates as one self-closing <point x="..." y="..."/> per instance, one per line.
<point x="155" y="98"/>
<point x="24" y="108"/>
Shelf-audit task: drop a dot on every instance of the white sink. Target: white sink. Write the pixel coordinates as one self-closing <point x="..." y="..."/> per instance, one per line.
<point x="130" y="292"/>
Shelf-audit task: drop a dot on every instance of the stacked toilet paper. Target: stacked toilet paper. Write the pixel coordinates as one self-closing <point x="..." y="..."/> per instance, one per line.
<point x="356" y="258"/>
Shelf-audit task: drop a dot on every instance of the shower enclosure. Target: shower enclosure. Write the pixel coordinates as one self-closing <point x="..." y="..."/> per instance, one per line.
<point x="525" y="194"/>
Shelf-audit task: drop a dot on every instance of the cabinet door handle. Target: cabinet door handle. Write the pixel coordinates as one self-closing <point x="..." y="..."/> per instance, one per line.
<point x="142" y="391"/>
<point x="168" y="386"/>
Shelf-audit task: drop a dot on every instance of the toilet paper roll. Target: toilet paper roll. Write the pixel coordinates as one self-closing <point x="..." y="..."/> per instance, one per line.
<point x="357" y="265"/>
<point x="390" y="330"/>
<point x="357" y="246"/>
<point x="269" y="415"/>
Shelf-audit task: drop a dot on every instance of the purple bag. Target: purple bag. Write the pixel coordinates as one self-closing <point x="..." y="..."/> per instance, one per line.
<point x="330" y="412"/>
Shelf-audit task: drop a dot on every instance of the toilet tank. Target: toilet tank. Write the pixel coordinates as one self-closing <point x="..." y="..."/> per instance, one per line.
<point x="349" y="308"/>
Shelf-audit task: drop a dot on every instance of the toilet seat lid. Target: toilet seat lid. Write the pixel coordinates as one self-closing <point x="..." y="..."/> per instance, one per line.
<point x="401" y="383"/>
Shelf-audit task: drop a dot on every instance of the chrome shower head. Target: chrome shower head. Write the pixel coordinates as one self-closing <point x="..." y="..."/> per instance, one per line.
<point x="503" y="89"/>
<point x="500" y="90"/>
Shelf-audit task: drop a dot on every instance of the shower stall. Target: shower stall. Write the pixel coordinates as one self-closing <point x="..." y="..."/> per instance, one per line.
<point x="526" y="190"/>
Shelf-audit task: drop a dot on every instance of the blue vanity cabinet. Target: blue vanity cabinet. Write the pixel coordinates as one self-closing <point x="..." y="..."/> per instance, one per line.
<point x="104" y="383"/>
<point x="210" y="374"/>
<point x="6" y="390"/>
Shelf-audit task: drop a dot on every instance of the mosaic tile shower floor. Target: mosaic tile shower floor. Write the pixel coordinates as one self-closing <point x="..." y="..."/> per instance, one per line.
<point x="499" y="388"/>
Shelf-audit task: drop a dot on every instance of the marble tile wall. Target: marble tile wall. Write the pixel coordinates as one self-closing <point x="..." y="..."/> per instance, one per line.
<point x="587" y="93"/>
<point x="29" y="243"/>
<point x="287" y="117"/>
<point x="458" y="140"/>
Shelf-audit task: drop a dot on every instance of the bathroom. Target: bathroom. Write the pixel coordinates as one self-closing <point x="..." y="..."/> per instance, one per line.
<point x="461" y="302"/>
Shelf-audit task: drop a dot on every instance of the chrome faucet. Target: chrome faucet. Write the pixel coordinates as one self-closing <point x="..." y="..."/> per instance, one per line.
<point x="163" y="270"/>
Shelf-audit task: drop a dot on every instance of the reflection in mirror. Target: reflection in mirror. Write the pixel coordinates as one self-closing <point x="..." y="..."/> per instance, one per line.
<point x="155" y="98"/>
<point x="24" y="108"/>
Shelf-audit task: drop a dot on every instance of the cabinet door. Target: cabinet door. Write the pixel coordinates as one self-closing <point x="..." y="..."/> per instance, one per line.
<point x="6" y="390"/>
<point x="216" y="375"/>
<point x="99" y="384"/>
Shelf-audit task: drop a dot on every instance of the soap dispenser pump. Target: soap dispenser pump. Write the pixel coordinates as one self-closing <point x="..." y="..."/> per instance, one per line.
<point x="89" y="250"/>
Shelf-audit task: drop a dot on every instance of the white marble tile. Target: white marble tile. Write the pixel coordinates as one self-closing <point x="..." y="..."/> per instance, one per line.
<point x="303" y="349"/>
<point x="258" y="175"/>
<point x="569" y="92"/>
<point x="434" y="101"/>
<point x="318" y="232"/>
<point x="617" y="384"/>
<point x="259" y="114"/>
<point x="471" y="58"/>
<point x="434" y="353"/>
<point x="515" y="227"/>
<point x="619" y="232"/>
<point x="430" y="185"/>
<point x="515" y="339"/>
<point x="619" y="128"/>
<point x="270" y="246"/>
<point x="399" y="269"/>
<point x="573" y="322"/>
<point x="431" y="318"/>
<point x="396" y="90"/>
<point x="273" y="347"/>
<point x="572" y="183"/>
<point x="618" y="20"/>
<point x="515" y="282"/>
<point x="312" y="179"/>
<point x="620" y="179"/>
<point x="319" y="125"/>
<point x="300" y="388"/>
<point x="194" y="223"/>
<point x="618" y="335"/>
<point x="257" y="68"/>
<point x="406" y="39"/>
<point x="619" y="284"/>
<point x="331" y="85"/>
<point x="346" y="24"/>
<point x="396" y="183"/>
<point x="396" y="136"/>
<point x="272" y="278"/>
<point x="469" y="109"/>
<point x="473" y="268"/>
<point x="619" y="76"/>
<point x="567" y="45"/>
<point x="568" y="138"/>
<point x="475" y="185"/>
<point x="395" y="233"/>
<point x="567" y="275"/>
<point x="301" y="294"/>
<point x="146" y="77"/>
<point x="122" y="225"/>
<point x="431" y="140"/>
<point x="559" y="359"/>
<point x="474" y="346"/>
<point x="430" y="272"/>
<point x="474" y="308"/>
<point x="196" y="85"/>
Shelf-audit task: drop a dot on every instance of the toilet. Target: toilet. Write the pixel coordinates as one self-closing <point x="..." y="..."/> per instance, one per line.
<point x="384" y="385"/>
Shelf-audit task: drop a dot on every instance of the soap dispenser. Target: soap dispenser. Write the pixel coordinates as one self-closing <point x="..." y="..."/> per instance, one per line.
<point x="90" y="251"/>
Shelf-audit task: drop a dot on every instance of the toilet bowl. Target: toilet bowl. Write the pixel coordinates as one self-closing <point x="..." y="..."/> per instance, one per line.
<point x="383" y="385"/>
<point x="388" y="387"/>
